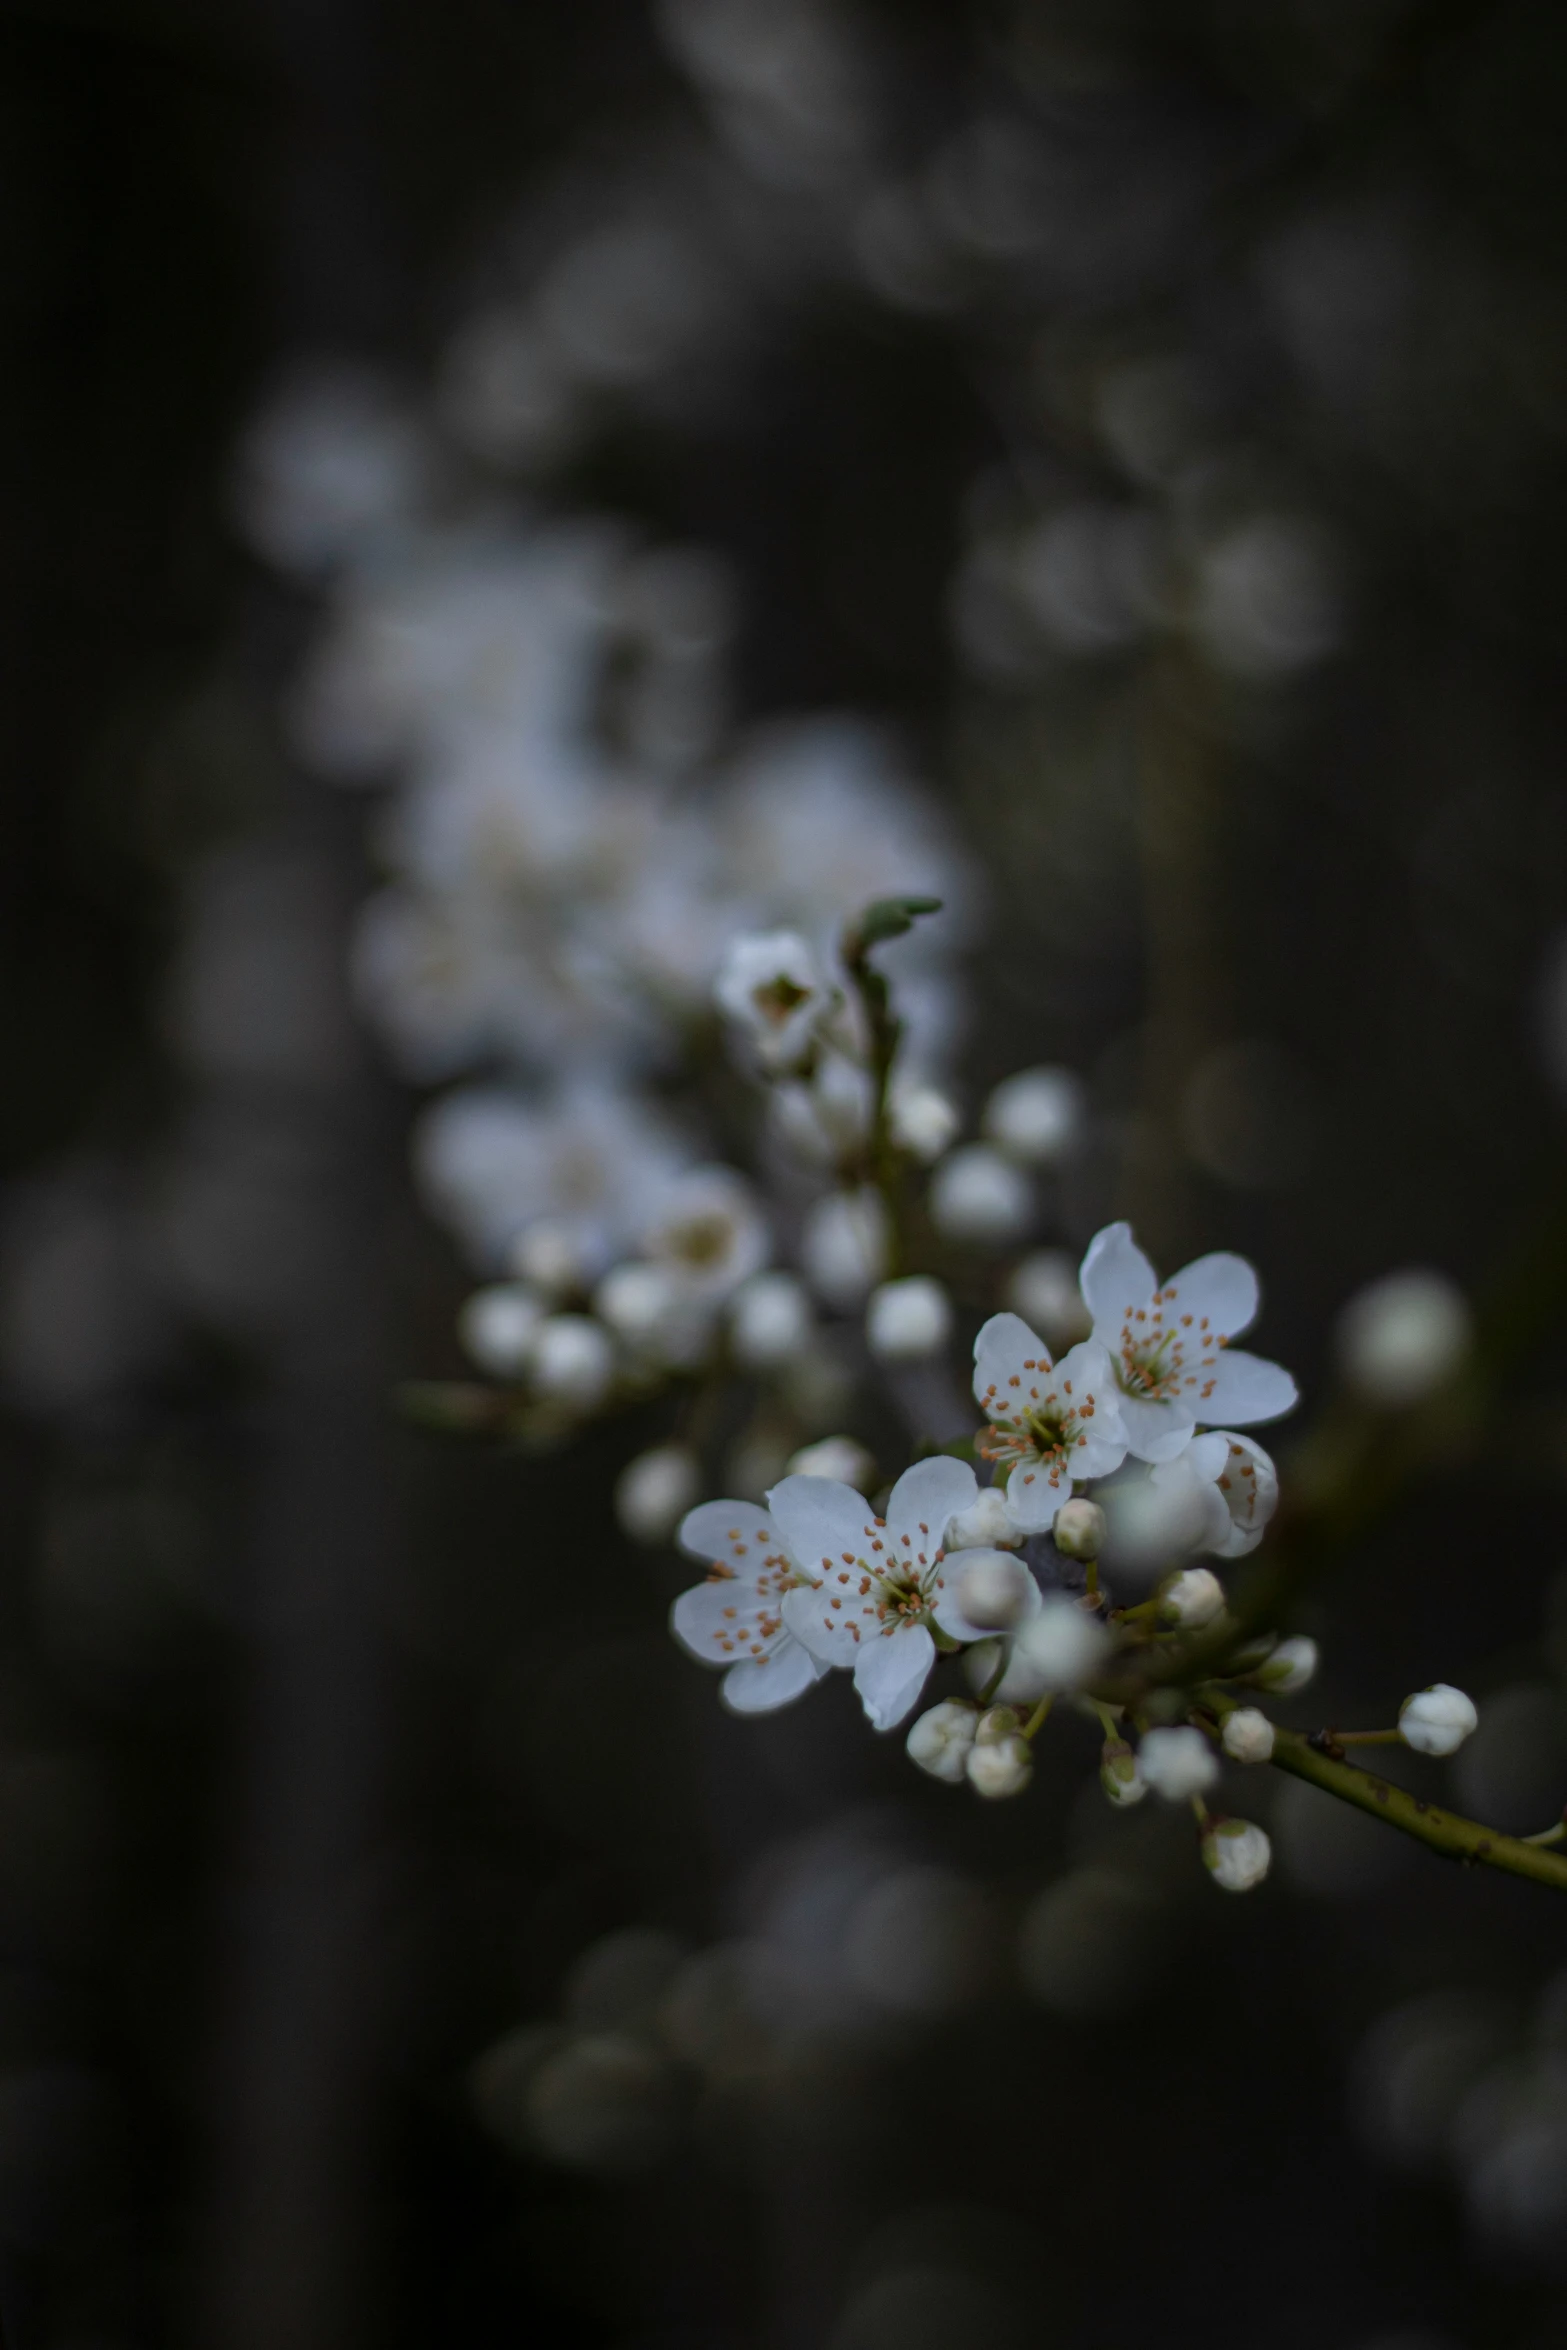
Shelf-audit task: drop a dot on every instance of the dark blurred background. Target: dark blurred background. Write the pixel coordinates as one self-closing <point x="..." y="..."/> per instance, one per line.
<point x="302" y="1806"/>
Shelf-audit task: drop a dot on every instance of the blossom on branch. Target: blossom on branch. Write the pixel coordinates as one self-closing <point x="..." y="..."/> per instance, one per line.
<point x="1049" y="1423"/>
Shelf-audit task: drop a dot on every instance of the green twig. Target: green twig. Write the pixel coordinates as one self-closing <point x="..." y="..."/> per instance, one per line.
<point x="1444" y="1831"/>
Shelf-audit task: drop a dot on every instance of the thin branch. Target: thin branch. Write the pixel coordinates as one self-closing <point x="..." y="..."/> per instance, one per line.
<point x="1444" y="1831"/>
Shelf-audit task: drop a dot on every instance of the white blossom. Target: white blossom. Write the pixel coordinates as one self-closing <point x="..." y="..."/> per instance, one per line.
<point x="940" y="1740"/>
<point x="985" y="1525"/>
<point x="995" y="1590"/>
<point x="977" y="1195"/>
<point x="557" y="1254"/>
<point x="769" y="1321"/>
<point x="1035" y="1116"/>
<point x="769" y="985"/>
<point x="1238" y="1854"/>
<point x="1192" y="1599"/>
<point x="1062" y="1647"/>
<point x="1437" y="1720"/>
<point x="844" y="1245"/>
<point x="735" y="1619"/>
<point x="1177" y="1763"/>
<point x="1248" y="1735"/>
<point x="881" y="1584"/>
<point x="573" y="1360"/>
<point x="1290" y="1666"/>
<point x="708" y="1232"/>
<point x="921" y="1119"/>
<point x="840" y="1458"/>
<point x="907" y="1320"/>
<point x="655" y="1490"/>
<point x="645" y="1307"/>
<point x="1049" y="1423"/>
<point x="1399" y="1338"/>
<point x="1000" y="1762"/>
<point x="1170" y="1347"/>
<point x="497" y="1327"/>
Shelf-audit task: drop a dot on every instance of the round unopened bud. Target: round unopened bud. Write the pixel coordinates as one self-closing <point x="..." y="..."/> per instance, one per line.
<point x="554" y="1254"/>
<point x="1043" y="1289"/>
<point x="940" y="1740"/>
<point x="654" y="1492"/>
<point x="1237" y="1853"/>
<point x="497" y="1327"/>
<point x="977" y="1195"/>
<point x="984" y="1525"/>
<point x="993" y="1590"/>
<point x="573" y="1360"/>
<point x="999" y="1762"/>
<point x="1035" y="1116"/>
<point x="922" y="1121"/>
<point x="1292" y="1664"/>
<point x="1193" y="1598"/>
<point x="1248" y="1735"/>
<point x="1119" y="1774"/>
<point x="844" y="1245"/>
<point x="1081" y="1529"/>
<point x="1063" y="1646"/>
<point x="1437" y="1720"/>
<point x="639" y="1303"/>
<point x="769" y="1321"/>
<point x="1177" y="1763"/>
<point x="838" y="1457"/>
<point x="1402" y="1336"/>
<point x="908" y="1319"/>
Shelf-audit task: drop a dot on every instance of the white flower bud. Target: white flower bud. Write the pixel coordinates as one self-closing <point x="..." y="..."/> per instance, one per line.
<point x="984" y="1525"/>
<point x="999" y="1763"/>
<point x="1043" y="1289"/>
<point x="908" y="1320"/>
<point x="654" y="1492"/>
<point x="1238" y="1853"/>
<point x="1177" y="1763"/>
<point x="1248" y="1735"/>
<point x="573" y="1360"/>
<point x="1063" y="1645"/>
<point x="1120" y="1775"/>
<point x="497" y="1327"/>
<point x="993" y="1589"/>
<point x="977" y="1195"/>
<point x="940" y="1740"/>
<point x="1035" y="1116"/>
<point x="922" y="1121"/>
<point x="1193" y="1599"/>
<point x="1437" y="1720"/>
<point x="1401" y="1337"/>
<point x="838" y="1457"/>
<point x="554" y="1254"/>
<point x="639" y="1303"/>
<point x="1080" y="1530"/>
<point x="1292" y="1664"/>
<point x="769" y="1321"/>
<point x="843" y="1246"/>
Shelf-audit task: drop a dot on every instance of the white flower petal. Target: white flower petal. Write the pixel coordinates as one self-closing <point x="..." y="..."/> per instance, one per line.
<point x="1155" y="1431"/>
<point x="1116" y="1276"/>
<point x="1222" y="1287"/>
<point x="949" y="1615"/>
<point x="924" y="1498"/>
<point x="891" y="1672"/>
<point x="719" y="1623"/>
<point x="1244" y="1389"/>
<point x="729" y="1532"/>
<point x="757" y="1687"/>
<point x="1034" y="1494"/>
<point x="1002" y="1351"/>
<point x="820" y="1520"/>
<point x="822" y="1629"/>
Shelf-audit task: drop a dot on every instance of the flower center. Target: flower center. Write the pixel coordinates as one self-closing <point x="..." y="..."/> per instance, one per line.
<point x="701" y="1241"/>
<point x="1052" y="1434"/>
<point x="776" y="998"/>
